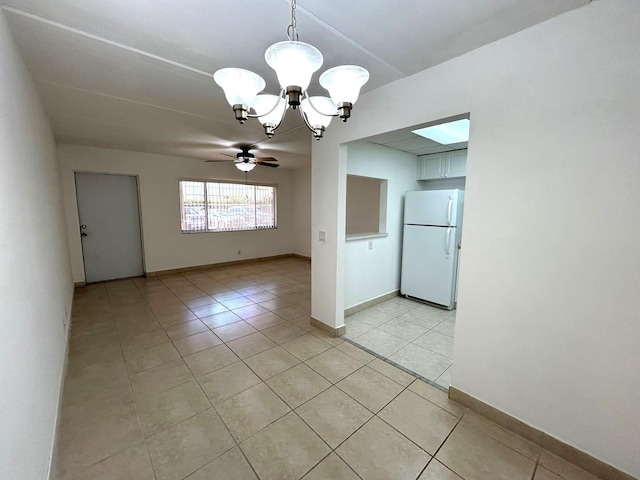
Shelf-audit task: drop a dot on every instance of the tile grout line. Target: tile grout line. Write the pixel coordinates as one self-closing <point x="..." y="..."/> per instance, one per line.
<point x="153" y="467"/>
<point x="133" y="395"/>
<point x="397" y="365"/>
<point x="535" y="467"/>
<point x="292" y="410"/>
<point x="139" y="423"/>
<point x="404" y="388"/>
<point x="442" y="445"/>
<point x="261" y="381"/>
<point x="405" y="340"/>
<point x="331" y="450"/>
<point x="373" y="415"/>
<point x="207" y="398"/>
<point x="213" y="407"/>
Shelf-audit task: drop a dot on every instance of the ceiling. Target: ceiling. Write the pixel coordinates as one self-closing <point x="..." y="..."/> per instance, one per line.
<point x="137" y="74"/>
<point x="407" y="141"/>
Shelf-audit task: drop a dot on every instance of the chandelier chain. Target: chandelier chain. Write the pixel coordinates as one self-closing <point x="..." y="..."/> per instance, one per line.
<point x="292" y="31"/>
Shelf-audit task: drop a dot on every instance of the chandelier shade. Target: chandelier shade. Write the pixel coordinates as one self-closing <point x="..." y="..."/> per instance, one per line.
<point x="240" y="86"/>
<point x="313" y="110"/>
<point x="270" y="111"/>
<point x="316" y="121"/>
<point x="264" y="108"/>
<point x="294" y="63"/>
<point x="344" y="83"/>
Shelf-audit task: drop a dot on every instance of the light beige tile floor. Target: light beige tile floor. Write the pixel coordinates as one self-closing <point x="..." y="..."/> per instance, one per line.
<point x="415" y="336"/>
<point x="218" y="374"/>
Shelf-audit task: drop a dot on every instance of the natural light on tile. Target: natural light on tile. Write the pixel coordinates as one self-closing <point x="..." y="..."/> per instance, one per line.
<point x="446" y="133"/>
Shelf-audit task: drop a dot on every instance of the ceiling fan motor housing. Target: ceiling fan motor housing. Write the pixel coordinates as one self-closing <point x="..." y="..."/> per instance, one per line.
<point x="245" y="155"/>
<point x="245" y="160"/>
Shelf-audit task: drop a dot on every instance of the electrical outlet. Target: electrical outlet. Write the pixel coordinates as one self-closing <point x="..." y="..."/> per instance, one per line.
<point x="322" y="236"/>
<point x="370" y="244"/>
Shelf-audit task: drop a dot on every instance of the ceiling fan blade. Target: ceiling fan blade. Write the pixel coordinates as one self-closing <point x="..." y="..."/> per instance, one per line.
<point x="265" y="164"/>
<point x="267" y="159"/>
<point x="231" y="158"/>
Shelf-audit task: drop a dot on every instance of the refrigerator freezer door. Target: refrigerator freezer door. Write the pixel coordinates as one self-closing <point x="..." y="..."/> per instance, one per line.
<point x="432" y="207"/>
<point x="428" y="271"/>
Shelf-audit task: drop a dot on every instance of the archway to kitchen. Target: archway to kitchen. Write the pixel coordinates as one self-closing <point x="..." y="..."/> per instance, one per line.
<point x="401" y="257"/>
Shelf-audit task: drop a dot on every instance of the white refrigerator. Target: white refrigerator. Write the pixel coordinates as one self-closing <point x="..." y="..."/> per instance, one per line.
<point x="431" y="236"/>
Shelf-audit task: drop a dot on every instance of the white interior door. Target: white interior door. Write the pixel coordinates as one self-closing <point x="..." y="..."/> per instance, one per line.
<point x="109" y="226"/>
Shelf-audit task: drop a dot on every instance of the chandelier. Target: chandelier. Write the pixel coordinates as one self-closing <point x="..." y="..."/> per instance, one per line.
<point x="294" y="63"/>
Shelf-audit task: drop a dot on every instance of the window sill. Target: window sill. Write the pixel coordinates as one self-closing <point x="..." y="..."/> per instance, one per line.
<point x="365" y="236"/>
<point x="191" y="232"/>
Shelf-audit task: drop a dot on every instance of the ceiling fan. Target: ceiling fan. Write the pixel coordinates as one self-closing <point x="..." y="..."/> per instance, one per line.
<point x="246" y="161"/>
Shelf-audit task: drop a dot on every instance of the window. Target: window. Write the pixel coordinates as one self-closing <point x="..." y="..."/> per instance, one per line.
<point x="223" y="207"/>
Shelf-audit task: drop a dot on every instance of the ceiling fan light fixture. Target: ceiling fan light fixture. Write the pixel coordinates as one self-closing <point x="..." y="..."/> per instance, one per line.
<point x="295" y="63"/>
<point x="245" y="166"/>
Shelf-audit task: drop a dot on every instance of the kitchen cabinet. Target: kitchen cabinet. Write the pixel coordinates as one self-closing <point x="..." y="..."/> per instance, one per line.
<point x="443" y="165"/>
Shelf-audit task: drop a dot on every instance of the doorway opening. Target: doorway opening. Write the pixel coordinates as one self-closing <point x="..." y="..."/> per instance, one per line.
<point x="414" y="332"/>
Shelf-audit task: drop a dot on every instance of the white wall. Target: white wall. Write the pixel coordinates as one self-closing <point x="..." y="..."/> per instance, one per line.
<point x="165" y="247"/>
<point x="548" y="307"/>
<point x="372" y="273"/>
<point x="35" y="283"/>
<point x="302" y="211"/>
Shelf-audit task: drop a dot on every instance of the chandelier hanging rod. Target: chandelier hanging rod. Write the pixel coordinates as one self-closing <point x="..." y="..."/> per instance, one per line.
<point x="294" y="63"/>
<point x="292" y="31"/>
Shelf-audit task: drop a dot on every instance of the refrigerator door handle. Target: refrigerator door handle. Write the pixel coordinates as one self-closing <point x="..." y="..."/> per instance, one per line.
<point x="450" y="210"/>
<point x="448" y="245"/>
